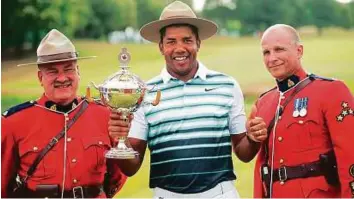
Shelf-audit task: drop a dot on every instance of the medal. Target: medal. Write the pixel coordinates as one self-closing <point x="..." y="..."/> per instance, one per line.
<point x="303" y="110"/>
<point x="296" y="108"/>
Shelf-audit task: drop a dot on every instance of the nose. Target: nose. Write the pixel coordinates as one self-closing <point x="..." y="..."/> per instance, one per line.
<point x="272" y="58"/>
<point x="180" y="48"/>
<point x="61" y="77"/>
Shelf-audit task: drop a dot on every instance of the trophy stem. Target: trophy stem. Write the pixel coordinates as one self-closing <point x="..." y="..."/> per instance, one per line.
<point x="121" y="151"/>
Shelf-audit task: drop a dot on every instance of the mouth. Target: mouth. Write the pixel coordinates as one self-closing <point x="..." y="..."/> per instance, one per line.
<point x="63" y="85"/>
<point x="180" y="58"/>
<point x="275" y="66"/>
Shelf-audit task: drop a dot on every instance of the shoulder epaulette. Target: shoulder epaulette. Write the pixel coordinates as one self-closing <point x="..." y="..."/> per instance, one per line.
<point x="261" y="95"/>
<point x="18" y="108"/>
<point x="313" y="76"/>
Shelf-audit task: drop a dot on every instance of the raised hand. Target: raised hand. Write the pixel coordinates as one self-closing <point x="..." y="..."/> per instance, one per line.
<point x="256" y="127"/>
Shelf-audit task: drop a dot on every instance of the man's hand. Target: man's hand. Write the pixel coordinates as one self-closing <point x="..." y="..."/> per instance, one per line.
<point x="119" y="125"/>
<point x="256" y="127"/>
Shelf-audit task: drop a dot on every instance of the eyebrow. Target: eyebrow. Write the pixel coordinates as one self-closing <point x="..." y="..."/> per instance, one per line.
<point x="172" y="38"/>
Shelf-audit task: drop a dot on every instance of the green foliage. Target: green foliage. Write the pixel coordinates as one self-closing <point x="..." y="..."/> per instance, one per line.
<point x="107" y="16"/>
<point x="148" y="10"/>
<point x="27" y="21"/>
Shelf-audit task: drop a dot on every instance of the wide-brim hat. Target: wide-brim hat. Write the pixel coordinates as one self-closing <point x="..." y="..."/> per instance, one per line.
<point x="55" y="47"/>
<point x="178" y="13"/>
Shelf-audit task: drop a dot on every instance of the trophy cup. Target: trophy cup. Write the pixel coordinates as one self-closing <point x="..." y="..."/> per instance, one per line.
<point x="123" y="92"/>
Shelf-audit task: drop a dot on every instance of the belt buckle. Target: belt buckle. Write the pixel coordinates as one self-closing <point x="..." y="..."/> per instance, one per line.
<point x="283" y="176"/>
<point x="80" y="191"/>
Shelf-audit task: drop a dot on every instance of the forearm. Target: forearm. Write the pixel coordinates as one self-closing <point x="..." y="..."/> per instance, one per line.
<point x="246" y="149"/>
<point x="128" y="166"/>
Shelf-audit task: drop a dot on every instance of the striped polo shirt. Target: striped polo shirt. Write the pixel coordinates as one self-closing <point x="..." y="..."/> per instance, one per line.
<point x="188" y="132"/>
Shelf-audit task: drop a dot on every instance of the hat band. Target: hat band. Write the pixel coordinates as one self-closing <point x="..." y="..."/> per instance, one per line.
<point x="178" y="16"/>
<point x="60" y="56"/>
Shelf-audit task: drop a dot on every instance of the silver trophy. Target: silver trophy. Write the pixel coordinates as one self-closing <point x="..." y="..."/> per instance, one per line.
<point x="123" y="92"/>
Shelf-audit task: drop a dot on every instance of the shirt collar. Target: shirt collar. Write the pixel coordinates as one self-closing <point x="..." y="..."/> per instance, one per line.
<point x="44" y="101"/>
<point x="292" y="81"/>
<point x="201" y="73"/>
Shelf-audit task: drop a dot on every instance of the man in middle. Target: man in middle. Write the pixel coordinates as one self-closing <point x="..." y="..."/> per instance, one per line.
<point x="198" y="121"/>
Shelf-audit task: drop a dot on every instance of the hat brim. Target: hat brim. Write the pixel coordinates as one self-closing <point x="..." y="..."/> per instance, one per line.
<point x="55" y="61"/>
<point x="151" y="31"/>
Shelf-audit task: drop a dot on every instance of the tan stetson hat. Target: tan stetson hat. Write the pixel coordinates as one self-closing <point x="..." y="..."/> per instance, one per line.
<point x="55" y="47"/>
<point x="178" y="13"/>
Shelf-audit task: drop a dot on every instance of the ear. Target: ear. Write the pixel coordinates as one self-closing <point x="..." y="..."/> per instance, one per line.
<point x="161" y="48"/>
<point x="40" y="76"/>
<point x="78" y="71"/>
<point x="198" y="44"/>
<point x="300" y="51"/>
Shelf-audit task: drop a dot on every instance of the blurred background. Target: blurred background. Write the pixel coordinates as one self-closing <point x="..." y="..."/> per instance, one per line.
<point x="103" y="27"/>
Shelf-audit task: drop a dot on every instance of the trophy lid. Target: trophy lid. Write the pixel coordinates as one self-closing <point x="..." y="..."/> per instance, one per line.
<point x="123" y="79"/>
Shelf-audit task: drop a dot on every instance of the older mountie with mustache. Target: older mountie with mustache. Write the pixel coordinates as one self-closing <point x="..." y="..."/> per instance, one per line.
<point x="54" y="147"/>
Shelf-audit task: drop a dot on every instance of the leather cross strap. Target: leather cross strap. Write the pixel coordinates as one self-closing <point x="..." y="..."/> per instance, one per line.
<point x="53" y="142"/>
<point x="298" y="88"/>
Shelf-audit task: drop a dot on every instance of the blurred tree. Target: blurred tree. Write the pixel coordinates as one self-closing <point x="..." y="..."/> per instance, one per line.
<point x="148" y="10"/>
<point x="344" y="16"/>
<point x="221" y="12"/>
<point x="107" y="16"/>
<point x="257" y="15"/>
<point x="28" y="20"/>
<point x="323" y="13"/>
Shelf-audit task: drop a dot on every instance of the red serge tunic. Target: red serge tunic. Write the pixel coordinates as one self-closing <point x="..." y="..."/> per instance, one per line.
<point x="327" y="125"/>
<point x="27" y="131"/>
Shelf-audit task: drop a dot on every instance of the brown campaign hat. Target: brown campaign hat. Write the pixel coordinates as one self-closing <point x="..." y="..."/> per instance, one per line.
<point x="55" y="47"/>
<point x="178" y="13"/>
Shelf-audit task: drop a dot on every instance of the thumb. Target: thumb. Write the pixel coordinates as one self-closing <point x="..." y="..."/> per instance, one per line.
<point x="253" y="112"/>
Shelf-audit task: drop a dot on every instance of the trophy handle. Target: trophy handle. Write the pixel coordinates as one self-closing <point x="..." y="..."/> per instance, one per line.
<point x="88" y="91"/>
<point x="157" y="99"/>
<point x="94" y="85"/>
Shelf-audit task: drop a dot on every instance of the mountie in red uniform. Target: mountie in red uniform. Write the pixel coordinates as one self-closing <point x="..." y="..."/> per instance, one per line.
<point x="309" y="152"/>
<point x="79" y="155"/>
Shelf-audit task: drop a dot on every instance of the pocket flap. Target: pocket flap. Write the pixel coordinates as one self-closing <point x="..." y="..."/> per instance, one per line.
<point x="101" y="141"/>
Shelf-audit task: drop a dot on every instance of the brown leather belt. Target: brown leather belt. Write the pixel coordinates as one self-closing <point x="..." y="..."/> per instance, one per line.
<point x="76" y="192"/>
<point x="285" y="173"/>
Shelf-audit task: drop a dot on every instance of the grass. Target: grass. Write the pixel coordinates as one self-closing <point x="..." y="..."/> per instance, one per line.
<point x="330" y="55"/>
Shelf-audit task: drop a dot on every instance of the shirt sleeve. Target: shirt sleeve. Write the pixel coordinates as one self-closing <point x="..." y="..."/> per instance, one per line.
<point x="339" y="115"/>
<point x="9" y="159"/>
<point x="139" y="126"/>
<point x="237" y="115"/>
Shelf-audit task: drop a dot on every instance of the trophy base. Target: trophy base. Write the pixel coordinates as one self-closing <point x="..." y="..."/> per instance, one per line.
<point x="119" y="153"/>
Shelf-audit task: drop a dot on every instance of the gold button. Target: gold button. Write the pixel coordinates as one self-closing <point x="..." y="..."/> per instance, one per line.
<point x="280" y="139"/>
<point x="279" y="117"/>
<point x="100" y="142"/>
<point x="301" y="122"/>
<point x="69" y="139"/>
<point x="35" y="148"/>
<point x="282" y="182"/>
<point x="74" y="181"/>
<point x="74" y="160"/>
<point x="281" y="161"/>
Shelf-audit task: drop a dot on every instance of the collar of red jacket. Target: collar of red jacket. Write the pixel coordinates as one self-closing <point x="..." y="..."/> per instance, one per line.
<point x="44" y="101"/>
<point x="291" y="81"/>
